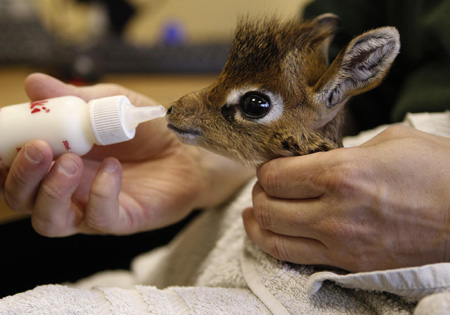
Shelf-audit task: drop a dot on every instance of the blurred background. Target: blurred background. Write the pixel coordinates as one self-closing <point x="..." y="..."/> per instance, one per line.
<point x="85" y="39"/>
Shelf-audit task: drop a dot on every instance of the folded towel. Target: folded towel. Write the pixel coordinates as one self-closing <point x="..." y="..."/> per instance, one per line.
<point x="411" y="283"/>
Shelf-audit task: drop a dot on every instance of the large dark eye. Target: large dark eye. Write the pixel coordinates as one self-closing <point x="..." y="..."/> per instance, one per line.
<point x="254" y="105"/>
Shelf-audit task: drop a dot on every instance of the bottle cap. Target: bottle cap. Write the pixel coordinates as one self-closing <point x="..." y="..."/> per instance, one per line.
<point x="114" y="119"/>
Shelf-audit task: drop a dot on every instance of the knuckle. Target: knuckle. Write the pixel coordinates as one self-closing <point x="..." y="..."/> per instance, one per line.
<point x="277" y="248"/>
<point x="98" y="192"/>
<point x="46" y="228"/>
<point x="12" y="199"/>
<point x="345" y="177"/>
<point x="262" y="212"/>
<point x="52" y="192"/>
<point x="335" y="230"/>
<point x="397" y="131"/>
<point x="271" y="179"/>
<point x="13" y="203"/>
<point x="19" y="177"/>
<point x="98" y="222"/>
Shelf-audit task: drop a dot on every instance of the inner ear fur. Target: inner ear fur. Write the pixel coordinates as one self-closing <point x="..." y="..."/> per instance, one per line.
<point x="359" y="67"/>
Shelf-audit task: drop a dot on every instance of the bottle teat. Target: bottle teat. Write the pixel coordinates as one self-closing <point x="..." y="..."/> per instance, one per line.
<point x="136" y="115"/>
<point x="114" y="119"/>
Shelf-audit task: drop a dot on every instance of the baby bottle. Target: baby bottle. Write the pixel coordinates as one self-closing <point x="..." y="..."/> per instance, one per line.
<point x="69" y="124"/>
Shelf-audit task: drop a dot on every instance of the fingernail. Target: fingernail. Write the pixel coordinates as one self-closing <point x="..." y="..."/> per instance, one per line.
<point x="67" y="166"/>
<point x="110" y="167"/>
<point x="33" y="154"/>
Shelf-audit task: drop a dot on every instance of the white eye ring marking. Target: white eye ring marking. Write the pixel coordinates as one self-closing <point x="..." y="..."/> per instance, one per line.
<point x="276" y="100"/>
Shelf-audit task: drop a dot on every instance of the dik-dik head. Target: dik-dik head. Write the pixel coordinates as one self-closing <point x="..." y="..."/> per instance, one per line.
<point x="277" y="95"/>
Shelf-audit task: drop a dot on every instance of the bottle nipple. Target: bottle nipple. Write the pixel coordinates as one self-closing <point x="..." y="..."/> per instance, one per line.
<point x="114" y="119"/>
<point x="136" y="115"/>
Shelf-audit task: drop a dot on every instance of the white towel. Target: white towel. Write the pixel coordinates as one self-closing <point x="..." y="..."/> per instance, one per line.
<point x="232" y="277"/>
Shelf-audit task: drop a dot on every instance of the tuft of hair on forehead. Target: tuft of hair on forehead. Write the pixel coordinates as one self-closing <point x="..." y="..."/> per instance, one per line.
<point x="260" y="44"/>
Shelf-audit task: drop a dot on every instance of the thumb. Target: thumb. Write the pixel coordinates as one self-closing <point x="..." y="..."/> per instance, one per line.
<point x="298" y="177"/>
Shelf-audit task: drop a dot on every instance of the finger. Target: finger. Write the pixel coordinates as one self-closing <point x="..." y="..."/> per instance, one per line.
<point x="299" y="218"/>
<point x="54" y="213"/>
<point x="103" y="212"/>
<point x="41" y="86"/>
<point x="285" y="248"/>
<point x="25" y="175"/>
<point x="294" y="177"/>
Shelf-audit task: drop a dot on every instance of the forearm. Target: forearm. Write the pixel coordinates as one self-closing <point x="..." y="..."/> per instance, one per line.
<point x="222" y="178"/>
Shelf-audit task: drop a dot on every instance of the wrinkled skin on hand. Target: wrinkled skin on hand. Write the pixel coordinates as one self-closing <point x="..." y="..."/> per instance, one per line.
<point x="382" y="205"/>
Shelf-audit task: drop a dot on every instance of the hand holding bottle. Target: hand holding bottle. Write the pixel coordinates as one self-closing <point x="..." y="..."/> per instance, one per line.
<point x="69" y="124"/>
<point x="148" y="182"/>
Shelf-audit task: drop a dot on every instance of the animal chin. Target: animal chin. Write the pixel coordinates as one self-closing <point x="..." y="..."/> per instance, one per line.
<point x="186" y="135"/>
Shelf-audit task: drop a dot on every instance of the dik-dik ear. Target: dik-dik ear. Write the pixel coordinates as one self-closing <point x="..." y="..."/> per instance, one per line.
<point x="358" y="68"/>
<point x="330" y="22"/>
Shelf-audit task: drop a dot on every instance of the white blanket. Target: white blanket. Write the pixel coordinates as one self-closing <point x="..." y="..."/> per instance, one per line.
<point x="212" y="268"/>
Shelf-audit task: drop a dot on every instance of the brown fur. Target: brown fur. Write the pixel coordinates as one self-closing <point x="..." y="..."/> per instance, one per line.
<point x="288" y="61"/>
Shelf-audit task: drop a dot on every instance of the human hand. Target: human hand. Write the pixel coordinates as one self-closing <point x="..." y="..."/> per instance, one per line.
<point x="146" y="183"/>
<point x="385" y="204"/>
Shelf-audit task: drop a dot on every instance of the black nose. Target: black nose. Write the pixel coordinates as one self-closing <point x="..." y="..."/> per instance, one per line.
<point x="171" y="108"/>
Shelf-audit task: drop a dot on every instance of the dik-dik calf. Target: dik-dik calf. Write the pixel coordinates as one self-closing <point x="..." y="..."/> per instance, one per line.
<point x="277" y="95"/>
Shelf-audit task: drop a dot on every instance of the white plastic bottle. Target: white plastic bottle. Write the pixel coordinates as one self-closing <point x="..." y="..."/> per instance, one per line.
<point x="69" y="124"/>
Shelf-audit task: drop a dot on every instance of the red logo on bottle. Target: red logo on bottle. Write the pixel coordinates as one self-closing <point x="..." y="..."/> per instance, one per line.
<point x="38" y="106"/>
<point x="66" y="145"/>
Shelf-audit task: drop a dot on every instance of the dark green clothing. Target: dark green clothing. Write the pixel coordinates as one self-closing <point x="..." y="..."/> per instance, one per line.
<point x="419" y="80"/>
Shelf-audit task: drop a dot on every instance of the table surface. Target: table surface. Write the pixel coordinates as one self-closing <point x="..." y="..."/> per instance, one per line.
<point x="162" y="88"/>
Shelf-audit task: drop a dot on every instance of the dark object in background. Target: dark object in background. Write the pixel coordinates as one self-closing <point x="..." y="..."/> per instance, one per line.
<point x="119" y="13"/>
<point x="419" y="80"/>
<point x="113" y="55"/>
<point x="28" y="259"/>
